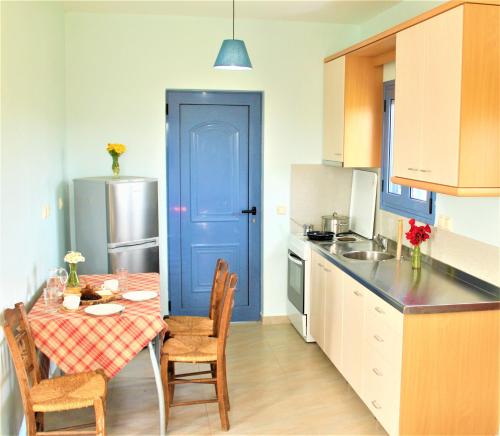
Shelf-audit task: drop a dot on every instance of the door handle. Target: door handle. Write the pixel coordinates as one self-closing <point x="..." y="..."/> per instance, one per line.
<point x="252" y="211"/>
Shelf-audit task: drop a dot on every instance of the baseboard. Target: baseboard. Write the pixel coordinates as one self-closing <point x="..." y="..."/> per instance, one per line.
<point x="280" y="319"/>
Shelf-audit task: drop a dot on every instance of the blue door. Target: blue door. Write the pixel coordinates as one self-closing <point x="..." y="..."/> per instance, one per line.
<point x="214" y="157"/>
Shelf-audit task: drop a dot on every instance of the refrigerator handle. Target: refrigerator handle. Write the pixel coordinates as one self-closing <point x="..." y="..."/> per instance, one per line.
<point x="142" y="243"/>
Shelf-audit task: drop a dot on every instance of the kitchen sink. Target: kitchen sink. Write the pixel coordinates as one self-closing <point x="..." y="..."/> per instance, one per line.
<point x="374" y="256"/>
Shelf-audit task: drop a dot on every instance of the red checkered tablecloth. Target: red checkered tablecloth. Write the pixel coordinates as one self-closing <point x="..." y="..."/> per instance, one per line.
<point x="78" y="342"/>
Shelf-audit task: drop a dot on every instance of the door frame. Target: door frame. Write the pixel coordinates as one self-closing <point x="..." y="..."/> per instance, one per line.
<point x="174" y="99"/>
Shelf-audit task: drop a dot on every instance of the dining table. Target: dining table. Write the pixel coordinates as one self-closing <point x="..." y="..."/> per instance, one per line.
<point x="77" y="342"/>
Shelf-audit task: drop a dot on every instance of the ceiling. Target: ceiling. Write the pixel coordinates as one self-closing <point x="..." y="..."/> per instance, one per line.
<point x="328" y="11"/>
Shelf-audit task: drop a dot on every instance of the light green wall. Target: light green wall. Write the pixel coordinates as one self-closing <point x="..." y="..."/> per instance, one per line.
<point x="119" y="66"/>
<point x="31" y="175"/>
<point x="397" y="14"/>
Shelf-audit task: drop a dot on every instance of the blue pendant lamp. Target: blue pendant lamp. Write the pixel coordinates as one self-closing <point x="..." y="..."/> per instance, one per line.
<point x="233" y="54"/>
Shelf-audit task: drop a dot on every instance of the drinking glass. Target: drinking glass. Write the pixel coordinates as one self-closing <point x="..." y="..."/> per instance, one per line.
<point x="57" y="278"/>
<point x="52" y="298"/>
<point x="122" y="274"/>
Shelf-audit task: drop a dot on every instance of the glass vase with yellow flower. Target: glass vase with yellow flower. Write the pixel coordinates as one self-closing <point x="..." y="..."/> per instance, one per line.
<point x="115" y="151"/>
<point x="73" y="258"/>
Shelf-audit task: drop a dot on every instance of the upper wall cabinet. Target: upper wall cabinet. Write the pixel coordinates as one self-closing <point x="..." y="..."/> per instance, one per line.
<point x="447" y="118"/>
<point x="352" y="112"/>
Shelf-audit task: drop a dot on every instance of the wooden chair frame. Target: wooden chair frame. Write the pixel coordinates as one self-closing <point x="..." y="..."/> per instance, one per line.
<point x="22" y="348"/>
<point x="217" y="368"/>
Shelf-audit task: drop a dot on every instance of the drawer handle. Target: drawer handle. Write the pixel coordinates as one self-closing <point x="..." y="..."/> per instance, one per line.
<point x="359" y="294"/>
<point x="379" y="310"/>
<point x="320" y="265"/>
<point x="337" y="154"/>
<point x="425" y="171"/>
<point x="376" y="405"/>
<point x="378" y="338"/>
<point x="327" y="270"/>
<point x="376" y="371"/>
<point x="412" y="169"/>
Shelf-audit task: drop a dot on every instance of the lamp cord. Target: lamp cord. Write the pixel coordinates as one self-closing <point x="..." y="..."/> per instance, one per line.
<point x="233" y="19"/>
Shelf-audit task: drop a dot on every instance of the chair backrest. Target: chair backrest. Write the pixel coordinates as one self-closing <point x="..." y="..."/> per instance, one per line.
<point x="22" y="349"/>
<point x="226" y="313"/>
<point x="220" y="275"/>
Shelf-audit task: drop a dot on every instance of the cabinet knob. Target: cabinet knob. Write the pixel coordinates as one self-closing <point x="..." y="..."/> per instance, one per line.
<point x="379" y="310"/>
<point x="376" y="405"/>
<point x="377" y="371"/>
<point x="378" y="338"/>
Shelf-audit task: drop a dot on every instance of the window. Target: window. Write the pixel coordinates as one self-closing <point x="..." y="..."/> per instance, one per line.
<point x="402" y="200"/>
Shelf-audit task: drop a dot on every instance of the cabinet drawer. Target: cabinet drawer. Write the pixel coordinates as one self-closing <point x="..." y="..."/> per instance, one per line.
<point x="382" y="390"/>
<point x="386" y="341"/>
<point x="383" y="312"/>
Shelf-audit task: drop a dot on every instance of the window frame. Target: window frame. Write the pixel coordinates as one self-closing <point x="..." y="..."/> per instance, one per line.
<point x="400" y="204"/>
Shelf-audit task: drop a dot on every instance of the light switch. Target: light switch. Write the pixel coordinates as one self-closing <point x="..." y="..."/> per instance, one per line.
<point x="281" y="210"/>
<point x="45" y="211"/>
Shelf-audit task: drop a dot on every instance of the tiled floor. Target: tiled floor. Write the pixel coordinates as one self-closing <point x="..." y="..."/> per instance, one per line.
<point x="278" y="384"/>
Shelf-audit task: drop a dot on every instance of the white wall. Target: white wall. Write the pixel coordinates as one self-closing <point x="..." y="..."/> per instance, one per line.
<point x="119" y="66"/>
<point x="31" y="177"/>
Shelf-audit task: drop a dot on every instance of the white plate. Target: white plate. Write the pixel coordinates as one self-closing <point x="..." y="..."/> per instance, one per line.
<point x="104" y="309"/>
<point x="139" y="295"/>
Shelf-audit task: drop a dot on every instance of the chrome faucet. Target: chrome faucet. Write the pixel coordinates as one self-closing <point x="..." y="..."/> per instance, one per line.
<point x="381" y="241"/>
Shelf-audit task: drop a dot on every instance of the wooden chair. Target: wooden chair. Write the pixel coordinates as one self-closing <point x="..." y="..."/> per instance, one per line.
<point x="201" y="349"/>
<point x="202" y="325"/>
<point x="68" y="392"/>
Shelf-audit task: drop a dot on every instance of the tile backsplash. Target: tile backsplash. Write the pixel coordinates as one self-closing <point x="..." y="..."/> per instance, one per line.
<point x="318" y="190"/>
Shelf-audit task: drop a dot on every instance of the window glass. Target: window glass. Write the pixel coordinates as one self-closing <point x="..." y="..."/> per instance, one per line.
<point x="393" y="188"/>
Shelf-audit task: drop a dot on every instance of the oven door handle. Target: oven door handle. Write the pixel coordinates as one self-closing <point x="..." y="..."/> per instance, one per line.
<point x="294" y="259"/>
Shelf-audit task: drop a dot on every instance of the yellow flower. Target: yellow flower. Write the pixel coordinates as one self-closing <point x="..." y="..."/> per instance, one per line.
<point x="116" y="149"/>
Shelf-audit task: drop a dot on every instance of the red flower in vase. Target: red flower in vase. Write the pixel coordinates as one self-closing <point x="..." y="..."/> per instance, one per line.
<point x="417" y="234"/>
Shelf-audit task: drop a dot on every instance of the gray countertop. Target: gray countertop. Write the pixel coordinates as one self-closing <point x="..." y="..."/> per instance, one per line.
<point x="435" y="288"/>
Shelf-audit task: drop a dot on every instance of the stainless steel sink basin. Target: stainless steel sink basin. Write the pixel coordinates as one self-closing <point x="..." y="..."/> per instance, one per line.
<point x="374" y="256"/>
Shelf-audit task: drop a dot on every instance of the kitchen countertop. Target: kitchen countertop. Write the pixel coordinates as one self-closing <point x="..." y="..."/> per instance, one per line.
<point x="436" y="288"/>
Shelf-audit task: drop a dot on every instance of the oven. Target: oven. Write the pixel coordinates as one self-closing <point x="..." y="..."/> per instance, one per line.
<point x="299" y="284"/>
<point x="296" y="274"/>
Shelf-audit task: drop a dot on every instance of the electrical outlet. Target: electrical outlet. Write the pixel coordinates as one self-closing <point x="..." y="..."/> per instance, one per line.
<point x="60" y="203"/>
<point x="281" y="210"/>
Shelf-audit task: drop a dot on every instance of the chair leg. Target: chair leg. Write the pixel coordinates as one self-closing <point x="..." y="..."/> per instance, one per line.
<point x="164" y="364"/>
<point x="31" y="423"/>
<point x="226" y="392"/>
<point x="100" y="419"/>
<point x="171" y="388"/>
<point x="221" y="396"/>
<point x="213" y="369"/>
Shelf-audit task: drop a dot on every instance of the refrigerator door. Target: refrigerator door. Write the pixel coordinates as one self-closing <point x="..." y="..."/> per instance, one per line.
<point x="132" y="210"/>
<point x="142" y="257"/>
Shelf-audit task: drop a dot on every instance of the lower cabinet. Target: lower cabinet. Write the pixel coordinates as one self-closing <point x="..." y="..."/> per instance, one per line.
<point x="437" y="375"/>
<point x="361" y="335"/>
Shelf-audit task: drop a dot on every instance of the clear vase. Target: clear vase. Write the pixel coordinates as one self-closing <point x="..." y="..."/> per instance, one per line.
<point x="416" y="258"/>
<point x="116" y="166"/>
<point x="73" y="284"/>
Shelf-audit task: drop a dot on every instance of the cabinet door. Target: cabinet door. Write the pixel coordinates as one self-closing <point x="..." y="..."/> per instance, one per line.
<point x="317" y="315"/>
<point x="428" y="95"/>
<point x="352" y="332"/>
<point x="334" y="291"/>
<point x="333" y="122"/>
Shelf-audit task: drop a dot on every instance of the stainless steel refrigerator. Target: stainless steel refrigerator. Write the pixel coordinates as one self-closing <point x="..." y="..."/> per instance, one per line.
<point x="116" y="224"/>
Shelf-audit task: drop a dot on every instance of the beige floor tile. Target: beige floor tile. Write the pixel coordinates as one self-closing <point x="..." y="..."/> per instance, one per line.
<point x="278" y="384"/>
